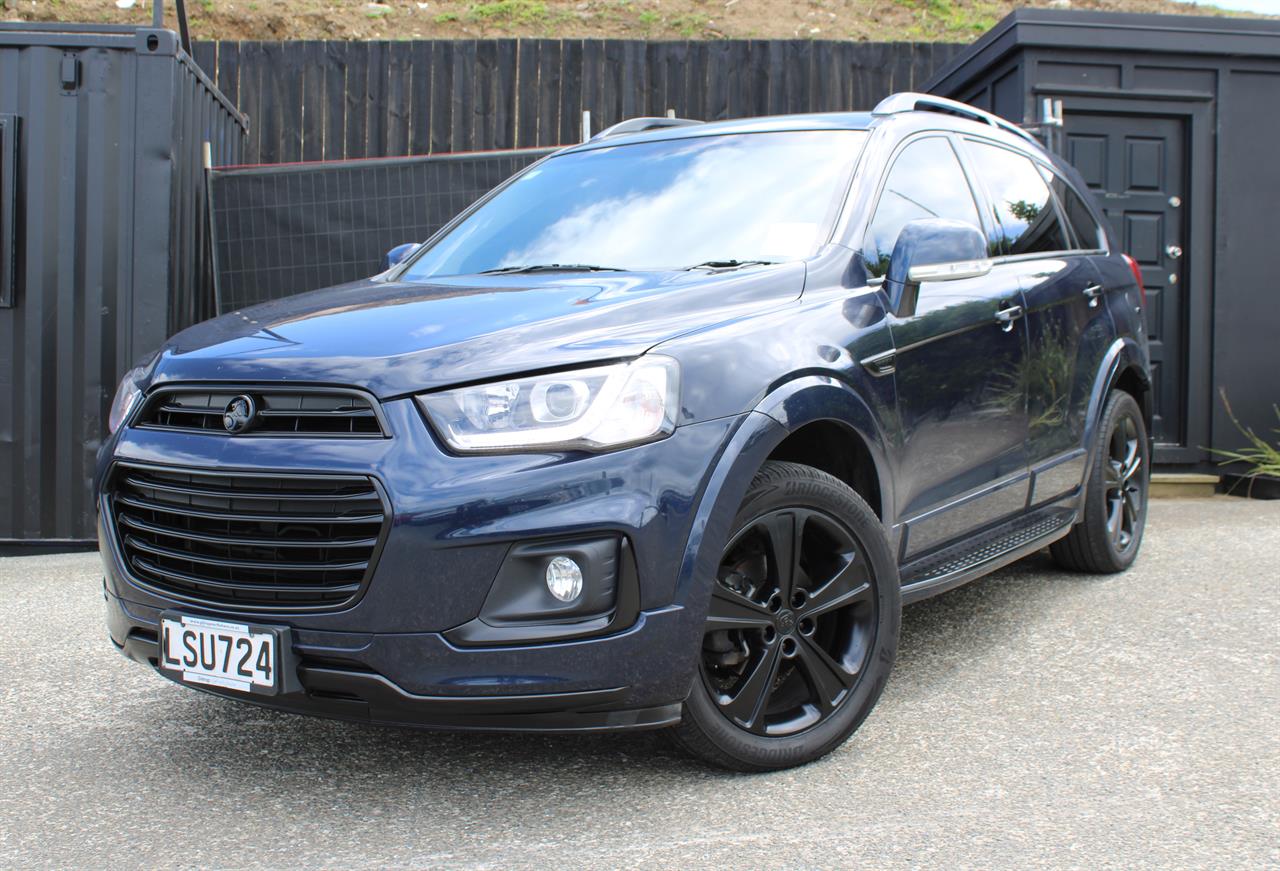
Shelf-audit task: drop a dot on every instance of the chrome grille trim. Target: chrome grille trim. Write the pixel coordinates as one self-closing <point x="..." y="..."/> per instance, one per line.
<point x="289" y="411"/>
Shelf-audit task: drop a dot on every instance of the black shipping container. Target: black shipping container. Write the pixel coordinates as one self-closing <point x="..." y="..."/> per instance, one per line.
<point x="103" y="244"/>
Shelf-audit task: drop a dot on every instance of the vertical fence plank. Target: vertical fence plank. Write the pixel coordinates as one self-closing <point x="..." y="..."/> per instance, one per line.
<point x="483" y="95"/>
<point x="228" y="72"/>
<point x="356" y="99"/>
<point x="441" y="96"/>
<point x="464" y="73"/>
<point x="420" y="67"/>
<point x="250" y="96"/>
<point x="527" y="92"/>
<point x="334" y="58"/>
<point x="718" y="64"/>
<point x="570" y="93"/>
<point x="399" y="96"/>
<point x="592" y="74"/>
<point x="205" y="54"/>
<point x="290" y="96"/>
<point x="549" y="90"/>
<point x="378" y="110"/>
<point x="504" y="95"/>
<point x="314" y="98"/>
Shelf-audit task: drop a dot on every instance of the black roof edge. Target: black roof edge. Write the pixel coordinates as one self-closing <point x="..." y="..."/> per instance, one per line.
<point x="1119" y="31"/>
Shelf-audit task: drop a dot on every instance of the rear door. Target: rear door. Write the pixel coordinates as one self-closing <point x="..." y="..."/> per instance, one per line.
<point x="1068" y="323"/>
<point x="961" y="464"/>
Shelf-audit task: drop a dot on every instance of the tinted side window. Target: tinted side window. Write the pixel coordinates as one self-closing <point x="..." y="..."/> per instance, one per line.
<point x="1088" y="234"/>
<point x="926" y="181"/>
<point x="1026" y="221"/>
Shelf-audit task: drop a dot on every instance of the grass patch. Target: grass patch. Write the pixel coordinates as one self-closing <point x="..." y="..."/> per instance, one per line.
<point x="690" y="25"/>
<point x="957" y="18"/>
<point x="510" y="12"/>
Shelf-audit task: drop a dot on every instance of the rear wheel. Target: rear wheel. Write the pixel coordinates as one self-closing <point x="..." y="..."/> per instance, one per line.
<point x="1115" y="507"/>
<point x="802" y="626"/>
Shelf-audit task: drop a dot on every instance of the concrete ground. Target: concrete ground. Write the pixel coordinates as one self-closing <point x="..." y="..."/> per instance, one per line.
<point x="1036" y="718"/>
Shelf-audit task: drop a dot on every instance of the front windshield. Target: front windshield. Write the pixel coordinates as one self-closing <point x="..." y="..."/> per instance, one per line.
<point x="659" y="205"/>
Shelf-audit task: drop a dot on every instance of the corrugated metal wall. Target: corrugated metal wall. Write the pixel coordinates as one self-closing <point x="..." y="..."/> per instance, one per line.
<point x="111" y="219"/>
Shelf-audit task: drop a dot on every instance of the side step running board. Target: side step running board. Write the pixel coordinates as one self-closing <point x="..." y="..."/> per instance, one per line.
<point x="1006" y="543"/>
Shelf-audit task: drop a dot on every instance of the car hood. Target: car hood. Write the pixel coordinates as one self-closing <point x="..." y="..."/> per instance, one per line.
<point x="394" y="338"/>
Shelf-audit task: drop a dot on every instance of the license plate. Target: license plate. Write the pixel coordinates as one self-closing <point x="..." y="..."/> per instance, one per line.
<point x="216" y="653"/>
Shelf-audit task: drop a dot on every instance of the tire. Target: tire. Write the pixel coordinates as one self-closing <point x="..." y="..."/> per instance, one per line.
<point x="786" y="677"/>
<point x="1107" y="539"/>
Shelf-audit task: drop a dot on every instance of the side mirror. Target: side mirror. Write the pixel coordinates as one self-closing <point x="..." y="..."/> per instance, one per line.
<point x="933" y="249"/>
<point x="398" y="254"/>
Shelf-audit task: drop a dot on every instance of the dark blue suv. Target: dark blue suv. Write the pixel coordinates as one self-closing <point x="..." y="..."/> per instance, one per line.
<point x="660" y="433"/>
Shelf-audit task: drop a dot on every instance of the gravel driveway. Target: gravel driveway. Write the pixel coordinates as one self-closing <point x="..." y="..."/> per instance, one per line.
<point x="1035" y="718"/>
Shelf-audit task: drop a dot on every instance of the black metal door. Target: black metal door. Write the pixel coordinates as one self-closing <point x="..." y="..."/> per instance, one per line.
<point x="1136" y="165"/>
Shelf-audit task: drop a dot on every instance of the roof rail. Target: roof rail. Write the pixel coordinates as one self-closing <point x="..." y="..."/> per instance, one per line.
<point x="912" y="102"/>
<point x="640" y="125"/>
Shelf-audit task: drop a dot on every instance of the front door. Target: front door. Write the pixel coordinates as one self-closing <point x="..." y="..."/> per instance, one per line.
<point x="962" y="403"/>
<point x="1136" y="166"/>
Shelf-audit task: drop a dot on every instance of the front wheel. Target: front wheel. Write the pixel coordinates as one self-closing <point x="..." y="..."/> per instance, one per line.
<point x="802" y="626"/>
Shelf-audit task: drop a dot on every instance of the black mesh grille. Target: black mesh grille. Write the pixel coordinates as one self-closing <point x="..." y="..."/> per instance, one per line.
<point x="263" y="541"/>
<point x="324" y="413"/>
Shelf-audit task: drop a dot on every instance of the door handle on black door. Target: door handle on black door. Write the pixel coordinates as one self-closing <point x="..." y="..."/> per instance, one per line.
<point x="1006" y="316"/>
<point x="1094" y="291"/>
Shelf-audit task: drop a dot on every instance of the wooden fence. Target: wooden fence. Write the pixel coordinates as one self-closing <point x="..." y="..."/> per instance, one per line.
<point x="339" y="100"/>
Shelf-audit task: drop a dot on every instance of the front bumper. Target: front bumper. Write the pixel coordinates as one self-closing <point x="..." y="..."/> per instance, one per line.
<point x="385" y="657"/>
<point x="342" y="682"/>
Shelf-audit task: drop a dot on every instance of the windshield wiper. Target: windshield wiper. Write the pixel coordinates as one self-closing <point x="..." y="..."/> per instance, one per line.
<point x="549" y="267"/>
<point x="729" y="264"/>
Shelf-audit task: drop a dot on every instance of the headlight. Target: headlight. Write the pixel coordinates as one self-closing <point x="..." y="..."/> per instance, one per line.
<point x="588" y="409"/>
<point x="127" y="395"/>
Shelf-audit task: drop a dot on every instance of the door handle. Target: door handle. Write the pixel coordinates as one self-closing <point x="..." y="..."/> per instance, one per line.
<point x="1173" y="251"/>
<point x="1006" y="316"/>
<point x="1094" y="291"/>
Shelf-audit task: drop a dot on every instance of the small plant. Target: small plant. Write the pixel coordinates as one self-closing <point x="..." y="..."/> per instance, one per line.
<point x="1262" y="457"/>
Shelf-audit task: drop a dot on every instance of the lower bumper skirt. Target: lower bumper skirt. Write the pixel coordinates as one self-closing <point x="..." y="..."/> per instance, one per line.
<point x="364" y="696"/>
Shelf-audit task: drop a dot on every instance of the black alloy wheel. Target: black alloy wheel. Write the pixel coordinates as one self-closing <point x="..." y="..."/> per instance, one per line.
<point x="801" y="625"/>
<point x="1123" y="481"/>
<point x="1109" y="533"/>
<point x="791" y="622"/>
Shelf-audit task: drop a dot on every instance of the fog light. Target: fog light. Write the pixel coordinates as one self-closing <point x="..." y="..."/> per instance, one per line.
<point x="564" y="578"/>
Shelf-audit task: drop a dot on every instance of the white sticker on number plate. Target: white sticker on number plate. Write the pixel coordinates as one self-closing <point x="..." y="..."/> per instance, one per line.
<point x="220" y="654"/>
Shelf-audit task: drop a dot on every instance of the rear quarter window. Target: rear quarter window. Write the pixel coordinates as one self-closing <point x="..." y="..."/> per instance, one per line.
<point x="1089" y="234"/>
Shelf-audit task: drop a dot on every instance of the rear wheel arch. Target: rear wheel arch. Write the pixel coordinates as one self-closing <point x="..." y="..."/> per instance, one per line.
<point x="1132" y="380"/>
<point x="1123" y="368"/>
